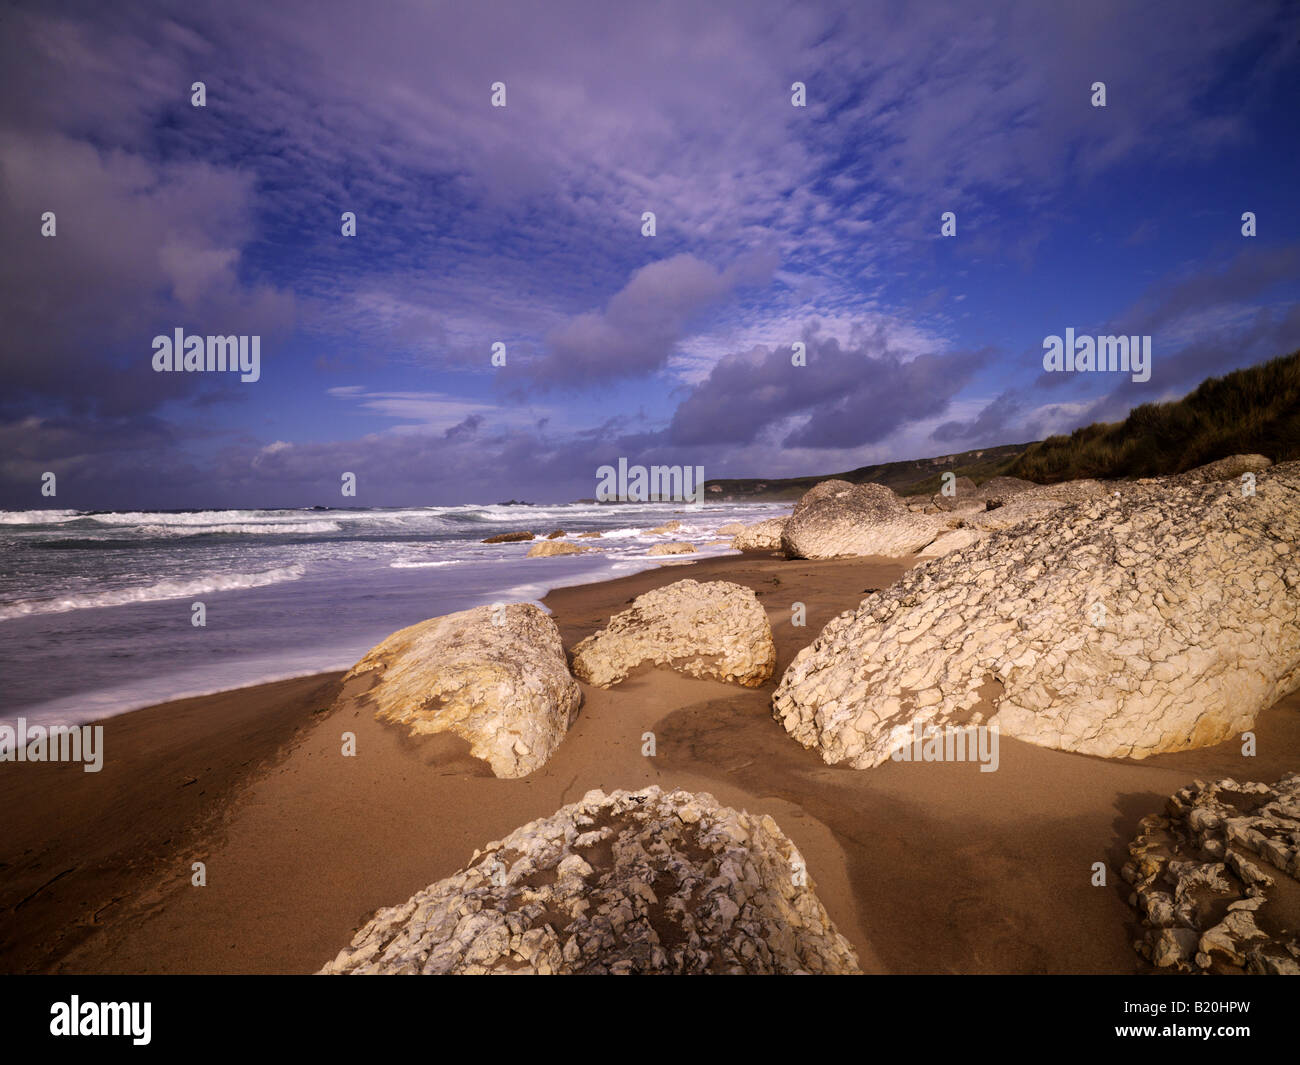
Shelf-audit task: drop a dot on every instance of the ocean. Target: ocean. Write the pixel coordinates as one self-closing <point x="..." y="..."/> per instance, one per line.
<point x="96" y="608"/>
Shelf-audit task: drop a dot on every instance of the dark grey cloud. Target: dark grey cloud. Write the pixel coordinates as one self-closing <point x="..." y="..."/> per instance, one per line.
<point x="1234" y="289"/>
<point x="843" y="397"/>
<point x="1248" y="275"/>
<point x="132" y="257"/>
<point x="468" y="427"/>
<point x="992" y="425"/>
<point x="1264" y="334"/>
<point x="1255" y="336"/>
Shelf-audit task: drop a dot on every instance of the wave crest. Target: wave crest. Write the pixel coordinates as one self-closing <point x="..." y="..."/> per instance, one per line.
<point x="150" y="593"/>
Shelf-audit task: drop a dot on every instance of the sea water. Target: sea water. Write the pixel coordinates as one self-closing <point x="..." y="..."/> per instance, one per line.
<point x="96" y="608"/>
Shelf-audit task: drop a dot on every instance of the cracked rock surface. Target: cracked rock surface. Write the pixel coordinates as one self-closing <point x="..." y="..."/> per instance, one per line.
<point x="495" y="676"/>
<point x="948" y="541"/>
<point x="1228" y="469"/>
<point x="1010" y="507"/>
<point x="631" y="882"/>
<point x="712" y="629"/>
<point x="1216" y="879"/>
<point x="836" y="519"/>
<point x="999" y="489"/>
<point x="761" y="536"/>
<point x="1162" y="620"/>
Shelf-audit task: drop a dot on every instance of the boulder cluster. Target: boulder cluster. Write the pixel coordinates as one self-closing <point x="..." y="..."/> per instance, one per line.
<point x="836" y="519"/>
<point x="1110" y="619"/>
<point x="1216" y="879"/>
<point x="1159" y="618"/>
<point x="497" y="676"/>
<point x="647" y="882"/>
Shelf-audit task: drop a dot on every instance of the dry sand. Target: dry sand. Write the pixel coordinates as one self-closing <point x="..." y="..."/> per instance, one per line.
<point x="926" y="867"/>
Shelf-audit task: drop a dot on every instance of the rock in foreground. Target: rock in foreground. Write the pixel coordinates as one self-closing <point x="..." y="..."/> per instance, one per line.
<point x="1217" y="879"/>
<point x="494" y="676"/>
<point x="1162" y="620"/>
<point x="835" y="519"/>
<point x="715" y="629"/>
<point x="632" y="882"/>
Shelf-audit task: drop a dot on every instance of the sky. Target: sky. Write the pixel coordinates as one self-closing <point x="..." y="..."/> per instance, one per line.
<point x="522" y="225"/>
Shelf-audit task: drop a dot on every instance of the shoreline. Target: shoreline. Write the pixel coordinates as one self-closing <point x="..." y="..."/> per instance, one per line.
<point x="925" y="867"/>
<point x="519" y="580"/>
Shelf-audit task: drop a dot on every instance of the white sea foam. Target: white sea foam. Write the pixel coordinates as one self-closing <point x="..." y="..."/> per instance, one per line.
<point x="622" y="534"/>
<point x="199" y="517"/>
<point x="242" y="529"/>
<point x="149" y="593"/>
<point x="37" y="517"/>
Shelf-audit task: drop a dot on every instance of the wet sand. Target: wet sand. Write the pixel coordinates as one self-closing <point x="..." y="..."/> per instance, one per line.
<point x="925" y="867"/>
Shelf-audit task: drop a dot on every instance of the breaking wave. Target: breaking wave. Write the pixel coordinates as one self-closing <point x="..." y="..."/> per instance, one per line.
<point x="149" y="593"/>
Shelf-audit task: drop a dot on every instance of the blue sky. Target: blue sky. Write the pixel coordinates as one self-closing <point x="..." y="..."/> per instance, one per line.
<point x="522" y="224"/>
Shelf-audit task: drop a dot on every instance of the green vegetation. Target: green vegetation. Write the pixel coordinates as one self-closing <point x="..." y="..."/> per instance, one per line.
<point x="1250" y="411"/>
<point x="912" y="477"/>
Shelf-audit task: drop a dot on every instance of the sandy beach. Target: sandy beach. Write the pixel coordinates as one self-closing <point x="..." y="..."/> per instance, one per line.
<point x="924" y="867"/>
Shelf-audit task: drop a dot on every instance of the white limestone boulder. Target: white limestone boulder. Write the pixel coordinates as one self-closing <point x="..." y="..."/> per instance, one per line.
<point x="1007" y="508"/>
<point x="495" y="676"/>
<point x="761" y="536"/>
<point x="835" y="519"/>
<point x="677" y="548"/>
<point x="1162" y="620"/>
<point x="552" y="548"/>
<point x="647" y="882"/>
<point x="712" y="629"/>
